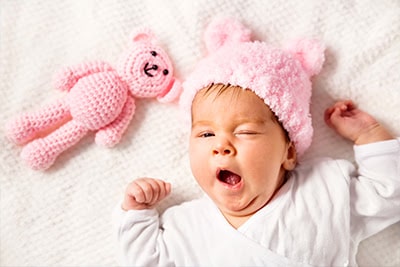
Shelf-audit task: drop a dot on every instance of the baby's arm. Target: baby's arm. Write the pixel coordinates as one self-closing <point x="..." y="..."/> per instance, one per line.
<point x="145" y="193"/>
<point x="354" y="124"/>
<point x="375" y="187"/>
<point x="137" y="224"/>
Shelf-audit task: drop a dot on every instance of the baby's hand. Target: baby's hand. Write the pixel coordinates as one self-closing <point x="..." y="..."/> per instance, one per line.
<point x="354" y="124"/>
<point x="145" y="193"/>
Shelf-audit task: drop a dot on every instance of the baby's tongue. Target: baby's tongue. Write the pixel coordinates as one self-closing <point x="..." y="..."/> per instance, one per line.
<point x="229" y="177"/>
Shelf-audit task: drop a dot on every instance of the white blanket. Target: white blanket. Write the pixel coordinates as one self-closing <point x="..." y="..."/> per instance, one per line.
<point x="61" y="217"/>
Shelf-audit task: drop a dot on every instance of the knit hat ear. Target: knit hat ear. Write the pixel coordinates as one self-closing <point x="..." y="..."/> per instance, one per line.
<point x="309" y="52"/>
<point x="142" y="35"/>
<point x="225" y="30"/>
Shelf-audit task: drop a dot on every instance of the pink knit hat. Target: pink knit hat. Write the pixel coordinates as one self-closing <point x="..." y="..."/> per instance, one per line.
<point x="281" y="77"/>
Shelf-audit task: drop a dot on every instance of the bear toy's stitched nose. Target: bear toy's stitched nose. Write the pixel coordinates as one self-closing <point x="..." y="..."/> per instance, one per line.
<point x="147" y="69"/>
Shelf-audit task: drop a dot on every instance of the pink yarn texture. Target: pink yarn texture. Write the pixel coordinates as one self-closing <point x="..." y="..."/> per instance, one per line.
<point x="98" y="98"/>
<point x="279" y="76"/>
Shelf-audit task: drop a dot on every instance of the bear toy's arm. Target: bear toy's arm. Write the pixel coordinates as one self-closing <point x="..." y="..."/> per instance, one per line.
<point x="111" y="134"/>
<point x="67" y="77"/>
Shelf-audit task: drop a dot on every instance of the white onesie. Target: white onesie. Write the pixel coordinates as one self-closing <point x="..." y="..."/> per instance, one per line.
<point x="317" y="218"/>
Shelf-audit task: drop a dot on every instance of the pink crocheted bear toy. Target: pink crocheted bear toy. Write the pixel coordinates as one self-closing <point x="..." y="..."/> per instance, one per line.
<point x="99" y="98"/>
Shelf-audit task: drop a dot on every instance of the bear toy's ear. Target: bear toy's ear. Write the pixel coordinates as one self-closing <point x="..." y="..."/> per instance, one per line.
<point x="309" y="52"/>
<point x="142" y="35"/>
<point x="225" y="30"/>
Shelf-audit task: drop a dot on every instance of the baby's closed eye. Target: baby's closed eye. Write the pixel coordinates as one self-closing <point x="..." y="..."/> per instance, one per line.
<point x="249" y="130"/>
<point x="246" y="132"/>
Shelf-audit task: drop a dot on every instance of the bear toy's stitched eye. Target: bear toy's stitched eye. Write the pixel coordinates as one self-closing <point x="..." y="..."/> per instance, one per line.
<point x="153" y="53"/>
<point x="165" y="72"/>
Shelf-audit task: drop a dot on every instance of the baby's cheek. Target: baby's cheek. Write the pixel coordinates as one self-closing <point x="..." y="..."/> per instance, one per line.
<point x="197" y="156"/>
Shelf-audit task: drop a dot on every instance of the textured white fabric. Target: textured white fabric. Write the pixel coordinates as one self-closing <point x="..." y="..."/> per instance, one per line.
<point x="62" y="216"/>
<point x="317" y="218"/>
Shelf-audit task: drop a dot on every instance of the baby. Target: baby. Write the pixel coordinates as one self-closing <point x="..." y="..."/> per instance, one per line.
<point x="250" y="122"/>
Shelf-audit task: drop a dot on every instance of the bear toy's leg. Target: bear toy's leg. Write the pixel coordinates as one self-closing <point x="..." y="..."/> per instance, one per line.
<point x="29" y="125"/>
<point x="41" y="153"/>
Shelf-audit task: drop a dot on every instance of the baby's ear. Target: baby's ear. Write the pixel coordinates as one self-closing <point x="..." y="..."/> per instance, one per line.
<point x="142" y="35"/>
<point x="309" y="52"/>
<point x="225" y="30"/>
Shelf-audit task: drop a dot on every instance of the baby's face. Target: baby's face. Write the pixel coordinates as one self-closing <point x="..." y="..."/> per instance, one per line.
<point x="238" y="151"/>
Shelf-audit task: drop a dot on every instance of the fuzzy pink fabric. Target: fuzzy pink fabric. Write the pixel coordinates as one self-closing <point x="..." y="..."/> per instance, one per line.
<point x="280" y="76"/>
<point x="98" y="98"/>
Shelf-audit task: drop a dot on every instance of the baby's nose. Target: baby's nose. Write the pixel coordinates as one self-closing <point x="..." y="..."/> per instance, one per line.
<point x="224" y="148"/>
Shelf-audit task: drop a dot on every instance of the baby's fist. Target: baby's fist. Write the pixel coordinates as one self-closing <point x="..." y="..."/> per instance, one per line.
<point x="354" y="124"/>
<point x="145" y="193"/>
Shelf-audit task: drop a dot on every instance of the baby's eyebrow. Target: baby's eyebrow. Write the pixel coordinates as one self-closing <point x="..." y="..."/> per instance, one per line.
<point x="201" y="123"/>
<point x="256" y="120"/>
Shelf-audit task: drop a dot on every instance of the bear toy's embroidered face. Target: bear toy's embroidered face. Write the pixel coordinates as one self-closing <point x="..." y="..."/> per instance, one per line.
<point x="151" y="69"/>
<point x="147" y="68"/>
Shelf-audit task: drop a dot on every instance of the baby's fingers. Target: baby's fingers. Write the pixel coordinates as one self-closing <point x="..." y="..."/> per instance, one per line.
<point x="140" y="190"/>
<point x="336" y="112"/>
<point x="158" y="191"/>
<point x="145" y="192"/>
<point x="327" y="116"/>
<point x="345" y="105"/>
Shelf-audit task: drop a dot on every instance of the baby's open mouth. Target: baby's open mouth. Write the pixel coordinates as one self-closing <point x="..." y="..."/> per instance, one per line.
<point x="228" y="177"/>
